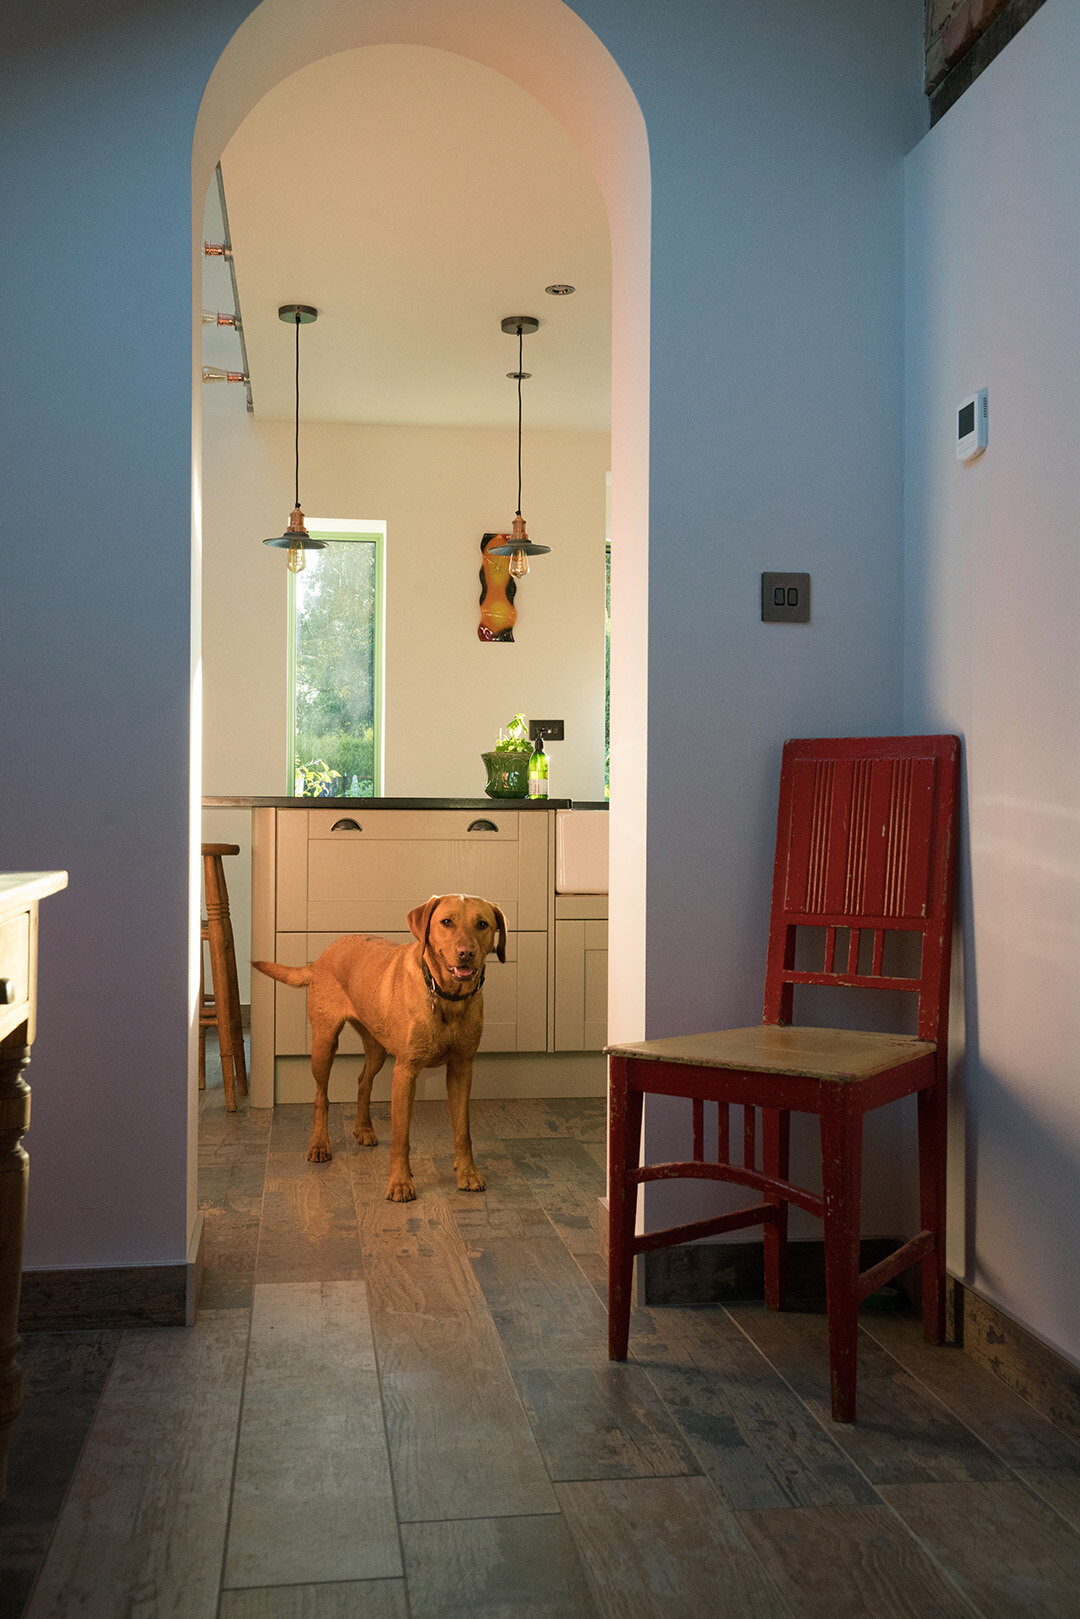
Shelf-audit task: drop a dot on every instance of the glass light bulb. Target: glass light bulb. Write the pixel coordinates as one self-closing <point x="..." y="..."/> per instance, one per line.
<point x="519" y="565"/>
<point x="297" y="559"/>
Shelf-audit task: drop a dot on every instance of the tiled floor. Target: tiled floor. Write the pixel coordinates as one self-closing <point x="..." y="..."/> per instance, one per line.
<point x="388" y="1411"/>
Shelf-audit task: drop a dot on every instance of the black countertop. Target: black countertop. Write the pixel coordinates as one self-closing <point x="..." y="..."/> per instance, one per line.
<point x="243" y="801"/>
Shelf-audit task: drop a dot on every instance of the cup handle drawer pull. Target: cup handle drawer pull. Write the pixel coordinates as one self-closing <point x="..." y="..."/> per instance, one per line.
<point x="346" y="824"/>
<point x="482" y="826"/>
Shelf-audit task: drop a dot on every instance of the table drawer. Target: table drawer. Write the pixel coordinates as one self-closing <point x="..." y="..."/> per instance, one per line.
<point x="15" y="965"/>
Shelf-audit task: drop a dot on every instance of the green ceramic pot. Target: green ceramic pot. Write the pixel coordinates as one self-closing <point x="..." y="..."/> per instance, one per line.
<point x="507" y="774"/>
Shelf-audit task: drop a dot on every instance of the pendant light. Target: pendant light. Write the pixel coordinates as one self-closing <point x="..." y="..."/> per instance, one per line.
<point x="519" y="548"/>
<point x="296" y="537"/>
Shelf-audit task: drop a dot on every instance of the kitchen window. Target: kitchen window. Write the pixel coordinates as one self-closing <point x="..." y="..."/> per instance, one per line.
<point x="336" y="619"/>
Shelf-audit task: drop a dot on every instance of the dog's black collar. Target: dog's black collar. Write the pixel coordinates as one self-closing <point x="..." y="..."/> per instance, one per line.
<point x="434" y="989"/>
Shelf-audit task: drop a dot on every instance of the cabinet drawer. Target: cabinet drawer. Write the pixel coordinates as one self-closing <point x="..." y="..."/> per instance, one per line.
<point x="368" y="880"/>
<point x="515" y="994"/>
<point x="492" y="825"/>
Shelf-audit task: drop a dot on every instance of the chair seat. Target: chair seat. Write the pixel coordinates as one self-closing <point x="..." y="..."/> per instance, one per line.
<point x="825" y="1054"/>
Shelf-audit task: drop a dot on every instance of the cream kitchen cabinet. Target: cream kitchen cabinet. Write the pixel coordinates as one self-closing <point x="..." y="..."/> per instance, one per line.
<point x="320" y="873"/>
<point x="581" y="972"/>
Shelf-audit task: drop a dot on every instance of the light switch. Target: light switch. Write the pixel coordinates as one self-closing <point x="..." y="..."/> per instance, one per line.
<point x="785" y="598"/>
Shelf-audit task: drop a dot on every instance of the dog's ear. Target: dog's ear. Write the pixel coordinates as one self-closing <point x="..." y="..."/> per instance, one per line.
<point x="500" y="942"/>
<point x="420" y="919"/>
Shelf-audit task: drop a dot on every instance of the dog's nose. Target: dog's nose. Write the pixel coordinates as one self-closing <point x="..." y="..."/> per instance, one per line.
<point x="465" y="955"/>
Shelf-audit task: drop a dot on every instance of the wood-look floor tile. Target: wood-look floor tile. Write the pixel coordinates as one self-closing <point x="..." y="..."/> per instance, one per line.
<point x="751" y="1434"/>
<point x="1061" y="1490"/>
<point x="603" y="1421"/>
<point x="566" y="1182"/>
<point x="902" y="1434"/>
<point x="492" y="1568"/>
<point x="582" y="1116"/>
<point x="312" y="1499"/>
<point x="854" y="1562"/>
<point x="593" y="1418"/>
<point x="308" y="1228"/>
<point x="229" y="1255"/>
<point x="656" y="1548"/>
<point x="1001" y="1544"/>
<point x="460" y="1443"/>
<point x="546" y="1312"/>
<point x="63" y="1377"/>
<point x="1003" y="1420"/>
<point x="357" y="1599"/>
<point x="143" y="1526"/>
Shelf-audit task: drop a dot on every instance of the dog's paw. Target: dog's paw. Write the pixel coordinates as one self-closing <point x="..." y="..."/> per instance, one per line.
<point x="400" y="1191"/>
<point x="366" y="1136"/>
<point x="470" y="1180"/>
<point x="319" y="1153"/>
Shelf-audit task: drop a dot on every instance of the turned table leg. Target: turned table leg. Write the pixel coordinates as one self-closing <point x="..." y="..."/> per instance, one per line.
<point x="14" y="1175"/>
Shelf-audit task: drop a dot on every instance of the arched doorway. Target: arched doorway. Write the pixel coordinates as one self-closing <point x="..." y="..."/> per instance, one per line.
<point x="551" y="54"/>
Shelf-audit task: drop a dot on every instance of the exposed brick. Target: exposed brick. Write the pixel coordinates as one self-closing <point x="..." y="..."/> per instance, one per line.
<point x="939" y="13"/>
<point x="983" y="13"/>
<point x="958" y="35"/>
<point x="936" y="65"/>
<point x="1001" y="21"/>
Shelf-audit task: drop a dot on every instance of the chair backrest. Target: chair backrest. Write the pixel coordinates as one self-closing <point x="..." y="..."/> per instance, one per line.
<point x="865" y="850"/>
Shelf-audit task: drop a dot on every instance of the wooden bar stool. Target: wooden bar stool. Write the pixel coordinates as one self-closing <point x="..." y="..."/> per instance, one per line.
<point x="224" y="1009"/>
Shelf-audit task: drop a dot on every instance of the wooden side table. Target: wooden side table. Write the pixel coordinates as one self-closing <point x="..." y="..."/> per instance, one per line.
<point x="20" y="894"/>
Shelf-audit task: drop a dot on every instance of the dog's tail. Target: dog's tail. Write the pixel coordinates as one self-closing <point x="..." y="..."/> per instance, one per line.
<point x="285" y="975"/>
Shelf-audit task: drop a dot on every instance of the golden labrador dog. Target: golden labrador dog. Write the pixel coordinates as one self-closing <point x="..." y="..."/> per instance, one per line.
<point x="422" y="1003"/>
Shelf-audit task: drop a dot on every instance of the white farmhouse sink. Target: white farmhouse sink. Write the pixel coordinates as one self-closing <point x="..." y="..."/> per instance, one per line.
<point x="581" y="851"/>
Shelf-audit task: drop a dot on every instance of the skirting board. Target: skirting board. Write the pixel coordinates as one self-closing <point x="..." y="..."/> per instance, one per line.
<point x="113" y="1296"/>
<point x="1043" y="1376"/>
<point x="722" y="1272"/>
<point x="498" y="1075"/>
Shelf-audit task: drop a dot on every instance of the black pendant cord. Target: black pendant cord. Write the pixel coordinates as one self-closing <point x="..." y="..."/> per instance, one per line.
<point x="521" y="340"/>
<point x="297" y="436"/>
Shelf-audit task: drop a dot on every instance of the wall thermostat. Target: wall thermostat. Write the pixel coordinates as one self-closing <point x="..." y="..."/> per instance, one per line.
<point x="972" y="426"/>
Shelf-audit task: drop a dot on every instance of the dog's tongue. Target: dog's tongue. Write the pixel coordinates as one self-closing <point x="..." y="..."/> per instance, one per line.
<point x="462" y="972"/>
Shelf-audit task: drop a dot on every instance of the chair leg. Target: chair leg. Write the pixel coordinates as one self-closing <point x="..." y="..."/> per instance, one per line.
<point x="776" y="1160"/>
<point x="932" y="1194"/>
<point x="624" y="1154"/>
<point x="841" y="1155"/>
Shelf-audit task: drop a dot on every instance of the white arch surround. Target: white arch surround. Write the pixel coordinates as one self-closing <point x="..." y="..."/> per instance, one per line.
<point x="776" y="258"/>
<point x="547" y="50"/>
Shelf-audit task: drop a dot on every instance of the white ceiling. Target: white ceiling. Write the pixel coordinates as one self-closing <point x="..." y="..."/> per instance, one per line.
<point x="414" y="197"/>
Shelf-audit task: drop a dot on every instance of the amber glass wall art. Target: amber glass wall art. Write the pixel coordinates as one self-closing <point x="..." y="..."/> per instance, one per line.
<point x="497" y="592"/>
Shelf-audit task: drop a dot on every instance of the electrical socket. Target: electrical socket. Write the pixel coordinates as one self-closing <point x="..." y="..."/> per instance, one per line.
<point x="550" y="730"/>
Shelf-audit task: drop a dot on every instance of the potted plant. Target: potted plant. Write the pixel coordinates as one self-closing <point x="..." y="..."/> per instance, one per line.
<point x="508" y="762"/>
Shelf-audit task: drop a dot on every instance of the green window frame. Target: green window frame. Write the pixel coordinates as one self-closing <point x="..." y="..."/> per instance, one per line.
<point x="336" y="781"/>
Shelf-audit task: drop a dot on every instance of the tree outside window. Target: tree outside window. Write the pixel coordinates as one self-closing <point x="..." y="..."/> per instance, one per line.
<point x="335" y="667"/>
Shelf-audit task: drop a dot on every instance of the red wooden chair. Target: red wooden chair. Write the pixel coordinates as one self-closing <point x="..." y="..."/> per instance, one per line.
<point x="865" y="846"/>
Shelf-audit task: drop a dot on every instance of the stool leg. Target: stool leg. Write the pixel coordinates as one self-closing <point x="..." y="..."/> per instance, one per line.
<point x="236" y="1022"/>
<point x="932" y="1193"/>
<point x="776" y="1149"/>
<point x="202" y="1025"/>
<point x="841" y="1173"/>
<point x="624" y="1154"/>
<point x="214" y="880"/>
